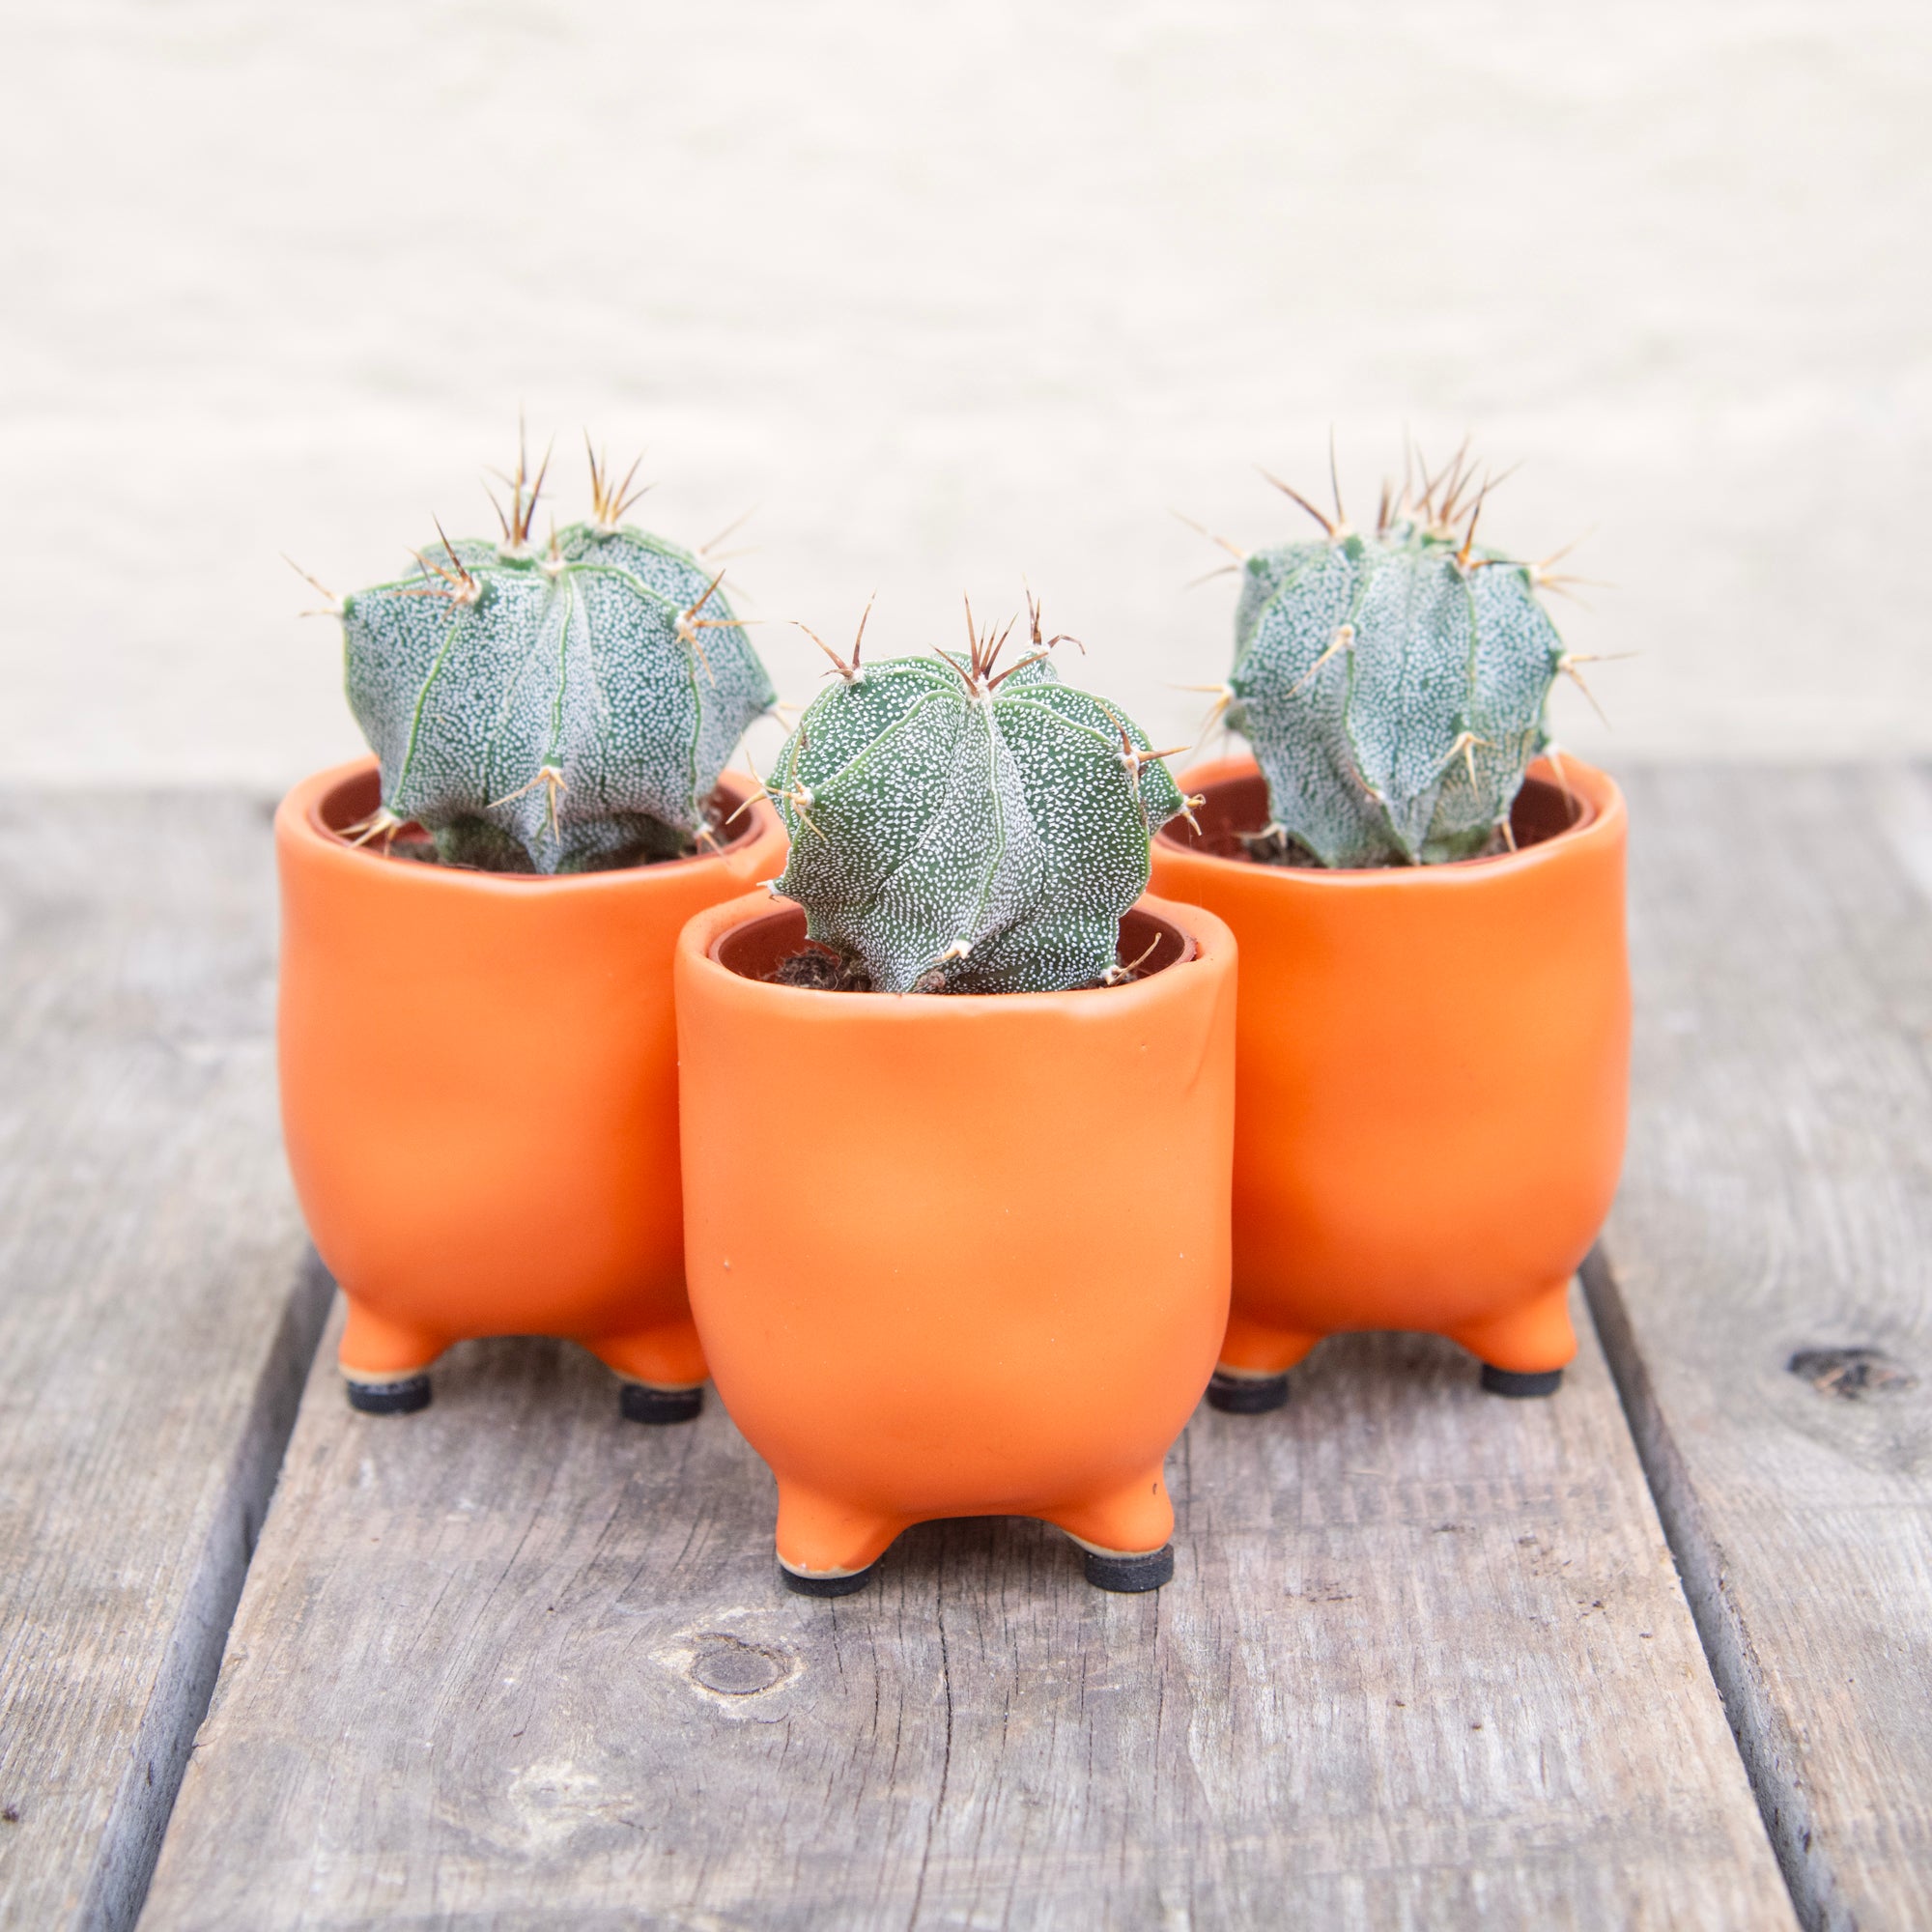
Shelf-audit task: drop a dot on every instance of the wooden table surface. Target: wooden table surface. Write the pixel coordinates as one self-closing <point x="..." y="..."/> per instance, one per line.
<point x="1656" y="1652"/>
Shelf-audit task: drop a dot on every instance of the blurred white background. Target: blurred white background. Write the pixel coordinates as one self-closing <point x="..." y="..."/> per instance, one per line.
<point x="954" y="294"/>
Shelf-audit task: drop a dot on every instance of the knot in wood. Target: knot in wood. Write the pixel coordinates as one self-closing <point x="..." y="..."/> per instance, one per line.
<point x="735" y="1668"/>
<point x="1852" y="1373"/>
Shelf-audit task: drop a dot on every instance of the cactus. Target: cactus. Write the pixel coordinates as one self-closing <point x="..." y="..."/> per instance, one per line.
<point x="960" y="827"/>
<point x="552" y="709"/>
<point x="1393" y="683"/>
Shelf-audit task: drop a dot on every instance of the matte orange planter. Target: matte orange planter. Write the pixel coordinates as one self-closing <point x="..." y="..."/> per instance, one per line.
<point x="958" y="1255"/>
<point x="1434" y="1071"/>
<point x="479" y="1095"/>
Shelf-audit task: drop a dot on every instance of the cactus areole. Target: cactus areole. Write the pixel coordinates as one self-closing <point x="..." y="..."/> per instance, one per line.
<point x="1392" y="683"/>
<point x="554" y="707"/>
<point x="965" y="829"/>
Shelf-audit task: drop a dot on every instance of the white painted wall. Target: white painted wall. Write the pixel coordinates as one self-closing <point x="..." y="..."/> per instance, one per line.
<point x="955" y="293"/>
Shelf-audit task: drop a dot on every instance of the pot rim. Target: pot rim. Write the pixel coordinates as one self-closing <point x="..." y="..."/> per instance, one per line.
<point x="1602" y="821"/>
<point x="1205" y="938"/>
<point x="299" y="820"/>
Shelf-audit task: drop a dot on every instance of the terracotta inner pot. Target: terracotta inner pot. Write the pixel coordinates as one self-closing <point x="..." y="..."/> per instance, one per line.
<point x="1234" y="806"/>
<point x="757" y="949"/>
<point x="352" y="801"/>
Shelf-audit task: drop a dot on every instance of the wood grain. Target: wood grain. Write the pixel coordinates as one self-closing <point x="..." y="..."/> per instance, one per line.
<point x="515" y="1663"/>
<point x="155" y="1319"/>
<point x="1777" y="1212"/>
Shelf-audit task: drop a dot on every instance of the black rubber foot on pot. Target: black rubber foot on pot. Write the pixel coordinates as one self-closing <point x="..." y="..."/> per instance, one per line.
<point x="637" y="1402"/>
<point x="827" y="1586"/>
<point x="1247" y="1395"/>
<point x="1507" y="1381"/>
<point x="1128" y="1574"/>
<point x="403" y="1397"/>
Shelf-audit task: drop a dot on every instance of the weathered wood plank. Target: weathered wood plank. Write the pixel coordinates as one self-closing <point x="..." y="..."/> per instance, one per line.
<point x="515" y="1663"/>
<point x="155" y="1319"/>
<point x="1777" y="1203"/>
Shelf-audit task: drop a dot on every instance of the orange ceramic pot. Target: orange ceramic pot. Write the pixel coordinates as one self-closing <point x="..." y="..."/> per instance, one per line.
<point x="479" y="1095"/>
<point x="1433" y="1073"/>
<point x="961" y="1254"/>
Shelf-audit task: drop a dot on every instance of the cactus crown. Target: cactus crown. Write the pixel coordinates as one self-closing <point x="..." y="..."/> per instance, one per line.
<point x="961" y="828"/>
<point x="552" y="708"/>
<point x="1392" y="683"/>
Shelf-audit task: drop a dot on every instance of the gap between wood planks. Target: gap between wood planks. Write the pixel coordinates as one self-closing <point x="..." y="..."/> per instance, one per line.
<point x="184" y="1684"/>
<point x="1728" y="1649"/>
<point x="157" y="1313"/>
<point x="1764" y="1292"/>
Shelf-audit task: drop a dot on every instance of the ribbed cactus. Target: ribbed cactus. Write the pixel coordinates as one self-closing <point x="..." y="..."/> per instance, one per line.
<point x="1392" y="683"/>
<point x="964" y="829"/>
<point x="555" y="707"/>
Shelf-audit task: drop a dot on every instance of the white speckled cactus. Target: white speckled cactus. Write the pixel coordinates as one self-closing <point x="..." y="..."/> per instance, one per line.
<point x="555" y="708"/>
<point x="1392" y="683"/>
<point x="960" y="827"/>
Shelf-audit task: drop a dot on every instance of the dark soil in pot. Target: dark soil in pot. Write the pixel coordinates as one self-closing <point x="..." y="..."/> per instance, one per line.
<point x="353" y="805"/>
<point x="775" y="951"/>
<point x="1234" y="821"/>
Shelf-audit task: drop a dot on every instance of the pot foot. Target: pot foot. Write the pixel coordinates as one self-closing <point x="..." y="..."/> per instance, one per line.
<point x="668" y="1357"/>
<point x="835" y="1583"/>
<point x="1524" y="1350"/>
<point x="1513" y="1382"/>
<point x="401" y="1395"/>
<point x="1131" y="1571"/>
<point x="1137" y="1519"/>
<point x="1251" y="1348"/>
<point x="1247" y="1394"/>
<point x="818" y="1535"/>
<point x="641" y="1402"/>
<point x="385" y="1362"/>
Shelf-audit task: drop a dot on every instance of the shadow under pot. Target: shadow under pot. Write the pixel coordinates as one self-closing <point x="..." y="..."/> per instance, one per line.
<point x="958" y="1255"/>
<point x="479" y="1095"/>
<point x="1433" y="1077"/>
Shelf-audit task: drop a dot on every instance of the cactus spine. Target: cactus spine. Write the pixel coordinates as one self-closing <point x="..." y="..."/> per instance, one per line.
<point x="960" y="827"/>
<point x="1393" y="683"/>
<point x="552" y="708"/>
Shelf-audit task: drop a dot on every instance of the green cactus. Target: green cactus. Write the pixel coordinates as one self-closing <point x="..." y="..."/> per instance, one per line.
<point x="1393" y="683"/>
<point x="552" y="709"/>
<point x="958" y="828"/>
